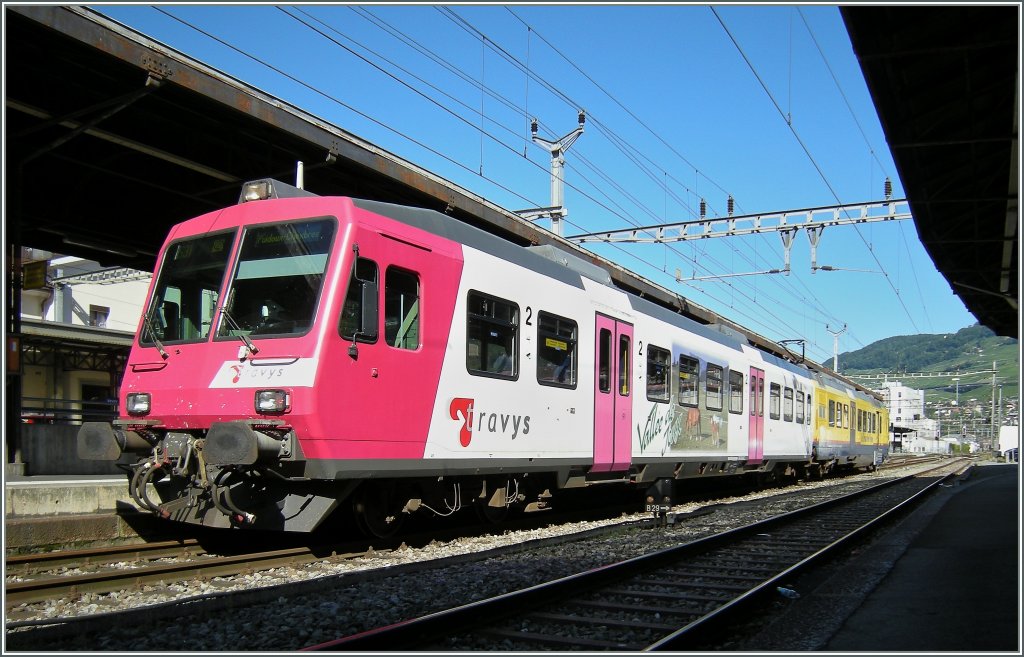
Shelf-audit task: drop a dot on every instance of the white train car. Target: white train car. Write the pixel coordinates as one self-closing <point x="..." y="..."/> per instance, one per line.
<point x="301" y="352"/>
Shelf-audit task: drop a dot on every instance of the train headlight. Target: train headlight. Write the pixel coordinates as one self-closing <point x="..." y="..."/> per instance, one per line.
<point x="257" y="190"/>
<point x="138" y="403"/>
<point x="272" y="401"/>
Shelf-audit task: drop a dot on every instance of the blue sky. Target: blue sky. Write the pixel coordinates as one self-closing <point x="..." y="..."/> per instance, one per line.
<point x="675" y="113"/>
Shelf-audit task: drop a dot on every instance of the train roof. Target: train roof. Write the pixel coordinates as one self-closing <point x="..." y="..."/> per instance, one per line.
<point x="567" y="267"/>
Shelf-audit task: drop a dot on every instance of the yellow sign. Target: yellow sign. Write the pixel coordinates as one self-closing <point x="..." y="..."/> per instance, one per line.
<point x="556" y="344"/>
<point x="33" y="275"/>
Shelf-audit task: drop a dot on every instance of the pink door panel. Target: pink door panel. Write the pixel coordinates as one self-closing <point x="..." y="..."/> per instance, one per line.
<point x="755" y="445"/>
<point x="613" y="403"/>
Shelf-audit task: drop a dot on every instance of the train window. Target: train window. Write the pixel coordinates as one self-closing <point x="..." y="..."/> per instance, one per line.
<point x="492" y="336"/>
<point x="735" y="391"/>
<point x="832" y="412"/>
<point x="402" y="308"/>
<point x="556" y="350"/>
<point x="278" y="278"/>
<point x="787" y="404"/>
<point x="624" y="355"/>
<point x="659" y="369"/>
<point x="186" y="291"/>
<point x="860" y="420"/>
<point x="809" y="408"/>
<point x="799" y="407"/>
<point x="364" y="272"/>
<point x="846" y="416"/>
<point x="774" y="401"/>
<point x="604" y="358"/>
<point x="689" y="380"/>
<point x="713" y="387"/>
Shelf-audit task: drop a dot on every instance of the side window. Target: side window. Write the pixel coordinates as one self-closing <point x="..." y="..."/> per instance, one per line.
<point x="799" y="407"/>
<point x="735" y="391"/>
<point x="787" y="404"/>
<point x="689" y="380"/>
<point x="556" y="350"/>
<point x="492" y="336"/>
<point x="846" y="416"/>
<point x="402" y="309"/>
<point x="774" y="401"/>
<point x="604" y="365"/>
<point x="832" y="413"/>
<point x="624" y="370"/>
<point x="713" y="387"/>
<point x="659" y="368"/>
<point x="365" y="271"/>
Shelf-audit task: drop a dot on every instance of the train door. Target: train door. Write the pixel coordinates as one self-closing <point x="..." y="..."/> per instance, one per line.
<point x="755" y="444"/>
<point x="400" y="288"/>
<point x="852" y="419"/>
<point x="613" y="395"/>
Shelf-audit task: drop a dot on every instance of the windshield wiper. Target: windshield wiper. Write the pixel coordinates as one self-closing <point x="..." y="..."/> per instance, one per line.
<point x="147" y="320"/>
<point x="253" y="349"/>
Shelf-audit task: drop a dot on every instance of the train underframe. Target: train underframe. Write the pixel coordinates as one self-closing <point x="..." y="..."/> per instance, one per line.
<point x="243" y="475"/>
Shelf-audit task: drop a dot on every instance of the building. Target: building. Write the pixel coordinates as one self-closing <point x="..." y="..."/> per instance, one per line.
<point x="77" y="324"/>
<point x="1009" y="442"/>
<point x="911" y="431"/>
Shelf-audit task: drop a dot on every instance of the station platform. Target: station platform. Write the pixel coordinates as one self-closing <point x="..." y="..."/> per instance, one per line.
<point x="946" y="578"/>
<point x="44" y="495"/>
<point x="55" y="510"/>
<point x="957" y="585"/>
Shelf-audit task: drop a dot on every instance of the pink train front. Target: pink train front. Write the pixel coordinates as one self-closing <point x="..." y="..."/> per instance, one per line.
<point x="300" y="352"/>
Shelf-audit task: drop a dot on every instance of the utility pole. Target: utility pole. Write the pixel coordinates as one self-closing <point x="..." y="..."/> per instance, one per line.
<point x="557" y="150"/>
<point x="835" y="346"/>
<point x="995" y="439"/>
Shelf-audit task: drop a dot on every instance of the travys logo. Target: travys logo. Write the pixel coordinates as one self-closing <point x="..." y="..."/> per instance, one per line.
<point x="474" y="421"/>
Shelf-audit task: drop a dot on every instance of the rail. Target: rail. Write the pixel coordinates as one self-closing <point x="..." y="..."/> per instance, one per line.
<point x="670" y="597"/>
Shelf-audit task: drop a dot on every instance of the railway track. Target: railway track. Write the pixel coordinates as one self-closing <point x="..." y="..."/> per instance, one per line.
<point x="42" y="577"/>
<point x="44" y="588"/>
<point x="22" y="565"/>
<point x="667" y="600"/>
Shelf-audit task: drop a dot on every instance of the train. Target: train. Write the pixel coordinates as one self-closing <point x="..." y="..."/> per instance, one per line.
<point x="298" y="354"/>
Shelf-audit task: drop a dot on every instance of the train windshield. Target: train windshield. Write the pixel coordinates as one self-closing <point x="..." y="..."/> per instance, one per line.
<point x="278" y="279"/>
<point x="185" y="296"/>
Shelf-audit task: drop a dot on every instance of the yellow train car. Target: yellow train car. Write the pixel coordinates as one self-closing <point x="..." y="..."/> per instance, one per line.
<point x="851" y="428"/>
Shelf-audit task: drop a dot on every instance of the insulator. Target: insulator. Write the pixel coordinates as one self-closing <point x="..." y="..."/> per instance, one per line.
<point x="533" y="126"/>
<point x="730" y="204"/>
<point x="888" y="188"/>
<point x="583" y="117"/>
<point x="703" y="208"/>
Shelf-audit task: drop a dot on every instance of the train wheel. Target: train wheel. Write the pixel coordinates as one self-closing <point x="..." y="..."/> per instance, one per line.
<point x="770" y="478"/>
<point x="378" y="509"/>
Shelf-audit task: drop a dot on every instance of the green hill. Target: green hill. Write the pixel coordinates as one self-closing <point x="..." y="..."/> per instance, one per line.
<point x="970" y="351"/>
